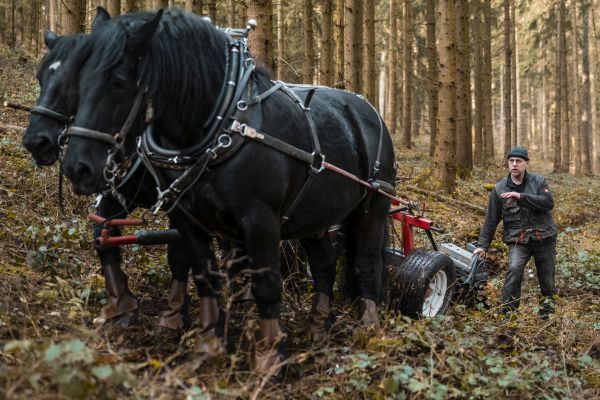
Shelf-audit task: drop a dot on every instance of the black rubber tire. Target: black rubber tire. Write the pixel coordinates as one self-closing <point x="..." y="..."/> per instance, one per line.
<point x="409" y="278"/>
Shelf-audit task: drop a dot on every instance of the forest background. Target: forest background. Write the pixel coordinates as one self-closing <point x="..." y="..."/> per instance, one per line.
<point x="458" y="83"/>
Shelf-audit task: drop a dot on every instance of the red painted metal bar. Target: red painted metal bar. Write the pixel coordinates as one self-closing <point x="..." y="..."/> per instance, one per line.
<point x="408" y="222"/>
<point x="112" y="241"/>
<point x="114" y="222"/>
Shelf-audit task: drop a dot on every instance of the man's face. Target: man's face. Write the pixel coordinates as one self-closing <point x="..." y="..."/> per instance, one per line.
<point x="517" y="167"/>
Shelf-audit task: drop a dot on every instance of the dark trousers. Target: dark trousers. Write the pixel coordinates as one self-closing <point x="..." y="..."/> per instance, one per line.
<point x="544" y="254"/>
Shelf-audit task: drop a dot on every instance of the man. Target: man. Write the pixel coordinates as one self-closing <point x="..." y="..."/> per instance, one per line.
<point x="524" y="202"/>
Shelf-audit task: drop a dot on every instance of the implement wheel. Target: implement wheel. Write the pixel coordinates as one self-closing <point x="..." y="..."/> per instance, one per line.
<point x="420" y="285"/>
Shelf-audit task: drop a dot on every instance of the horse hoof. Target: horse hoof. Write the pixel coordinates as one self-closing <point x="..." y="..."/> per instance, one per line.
<point x="125" y="320"/>
<point x="269" y="362"/>
<point x="209" y="345"/>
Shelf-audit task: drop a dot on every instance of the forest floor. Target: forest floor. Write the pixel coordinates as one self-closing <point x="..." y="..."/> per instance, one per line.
<point x="50" y="291"/>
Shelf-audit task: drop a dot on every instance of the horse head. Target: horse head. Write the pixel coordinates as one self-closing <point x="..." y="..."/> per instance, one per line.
<point x="57" y="102"/>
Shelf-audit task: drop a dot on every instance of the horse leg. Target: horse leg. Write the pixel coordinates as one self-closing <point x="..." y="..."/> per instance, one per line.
<point x="367" y="235"/>
<point x="260" y="229"/>
<point x="322" y="257"/>
<point x="176" y="317"/>
<point x="121" y="306"/>
<point x="207" y="281"/>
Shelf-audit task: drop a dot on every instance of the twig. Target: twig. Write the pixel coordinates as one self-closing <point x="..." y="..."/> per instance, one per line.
<point x="445" y="198"/>
<point x="16" y="106"/>
<point x="9" y="127"/>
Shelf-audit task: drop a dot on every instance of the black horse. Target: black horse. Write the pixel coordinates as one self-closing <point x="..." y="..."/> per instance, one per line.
<point x="173" y="68"/>
<point x="55" y="108"/>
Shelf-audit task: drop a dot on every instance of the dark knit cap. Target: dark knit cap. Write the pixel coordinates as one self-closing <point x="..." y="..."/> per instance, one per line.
<point x="520" y="152"/>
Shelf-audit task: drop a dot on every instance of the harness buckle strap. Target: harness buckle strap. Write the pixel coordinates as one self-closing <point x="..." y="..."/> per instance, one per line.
<point x="320" y="158"/>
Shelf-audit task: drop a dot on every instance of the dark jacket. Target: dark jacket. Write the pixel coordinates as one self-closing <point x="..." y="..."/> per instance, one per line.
<point x="527" y="219"/>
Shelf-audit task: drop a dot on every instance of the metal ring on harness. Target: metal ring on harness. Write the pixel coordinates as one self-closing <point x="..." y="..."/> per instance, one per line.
<point x="322" y="163"/>
<point x="249" y="61"/>
<point x="224" y="141"/>
<point x="242" y="105"/>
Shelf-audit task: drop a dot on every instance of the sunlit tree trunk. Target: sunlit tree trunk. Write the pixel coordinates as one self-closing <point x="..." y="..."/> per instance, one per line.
<point x="488" y="134"/>
<point x="231" y="16"/>
<point x="326" y="66"/>
<point x="477" y="92"/>
<point x="52" y="15"/>
<point x="595" y="91"/>
<point x="161" y="4"/>
<point x="308" y="67"/>
<point x="407" y="92"/>
<point x="443" y="163"/>
<point x="514" y="80"/>
<point x="261" y="38"/>
<point x="565" y="144"/>
<point x="586" y="103"/>
<point x="128" y="6"/>
<point x="464" y="151"/>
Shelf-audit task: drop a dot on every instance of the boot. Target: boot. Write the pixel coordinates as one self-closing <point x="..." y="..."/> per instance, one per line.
<point x="367" y="314"/>
<point x="207" y="341"/>
<point x="121" y="305"/>
<point x="175" y="316"/>
<point x="267" y="356"/>
<point x="320" y="315"/>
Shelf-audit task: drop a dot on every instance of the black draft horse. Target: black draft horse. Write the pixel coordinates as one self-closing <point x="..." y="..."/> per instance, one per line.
<point x="54" y="109"/>
<point x="176" y="65"/>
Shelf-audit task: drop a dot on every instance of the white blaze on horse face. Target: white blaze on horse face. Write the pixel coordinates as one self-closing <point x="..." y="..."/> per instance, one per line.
<point x="55" y="65"/>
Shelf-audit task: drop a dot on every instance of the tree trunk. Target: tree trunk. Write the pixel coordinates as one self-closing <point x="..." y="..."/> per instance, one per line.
<point x="507" y="79"/>
<point x="407" y="92"/>
<point x="595" y="93"/>
<point x="477" y="61"/>
<point x="370" y="77"/>
<point x="161" y="4"/>
<point x="514" y="79"/>
<point x="326" y="67"/>
<point x="114" y="7"/>
<point x="433" y="74"/>
<point x="392" y="61"/>
<point x="281" y="33"/>
<point x="443" y="162"/>
<point x="488" y="134"/>
<point x="194" y="6"/>
<point x="52" y="17"/>
<point x="71" y="16"/>
<point x="128" y="6"/>
<point x="586" y="126"/>
<point x="558" y="163"/>
<point x="212" y="11"/>
<point x="339" y="43"/>
<point x="261" y="38"/>
<point x="576" y="120"/>
<point x="231" y="17"/>
<point x="565" y="144"/>
<point x="353" y="45"/>
<point x="308" y="67"/>
<point x="464" y="146"/>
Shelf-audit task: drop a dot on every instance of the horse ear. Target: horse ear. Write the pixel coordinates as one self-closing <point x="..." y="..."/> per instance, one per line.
<point x="50" y="39"/>
<point x="101" y="17"/>
<point x="141" y="36"/>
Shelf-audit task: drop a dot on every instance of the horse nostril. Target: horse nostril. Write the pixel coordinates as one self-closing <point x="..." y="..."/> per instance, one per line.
<point x="78" y="172"/>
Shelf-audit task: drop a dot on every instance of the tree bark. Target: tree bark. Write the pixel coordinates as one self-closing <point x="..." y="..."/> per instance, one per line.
<point x="443" y="162"/>
<point x="353" y="45"/>
<point x="514" y="80"/>
<point x="370" y="78"/>
<point x="261" y="38"/>
<point x="477" y="67"/>
<point x="392" y="61"/>
<point x="565" y="144"/>
<point x="339" y="43"/>
<point x="52" y="15"/>
<point x="433" y="74"/>
<point x="558" y="164"/>
<point x="161" y="4"/>
<point x="72" y="20"/>
<point x="407" y="92"/>
<point x="128" y="6"/>
<point x="464" y="145"/>
<point x="586" y="126"/>
<point x="114" y="7"/>
<point x="194" y="6"/>
<point x="231" y="16"/>
<point x="326" y="66"/>
<point x="281" y="33"/>
<point x="576" y="120"/>
<point x="308" y="67"/>
<point x="488" y="134"/>
<point x="507" y="79"/>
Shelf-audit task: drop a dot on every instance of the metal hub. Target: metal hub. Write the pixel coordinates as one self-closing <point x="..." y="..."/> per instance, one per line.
<point x="434" y="294"/>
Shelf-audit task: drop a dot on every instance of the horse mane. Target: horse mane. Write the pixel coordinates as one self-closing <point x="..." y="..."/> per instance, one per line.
<point x="183" y="65"/>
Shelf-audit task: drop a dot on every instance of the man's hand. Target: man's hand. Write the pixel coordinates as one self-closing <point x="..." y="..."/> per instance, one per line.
<point x="479" y="252"/>
<point x="511" y="195"/>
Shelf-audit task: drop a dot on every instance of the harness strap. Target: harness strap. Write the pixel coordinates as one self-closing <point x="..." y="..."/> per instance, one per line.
<point x="46" y="112"/>
<point x="92" y="134"/>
